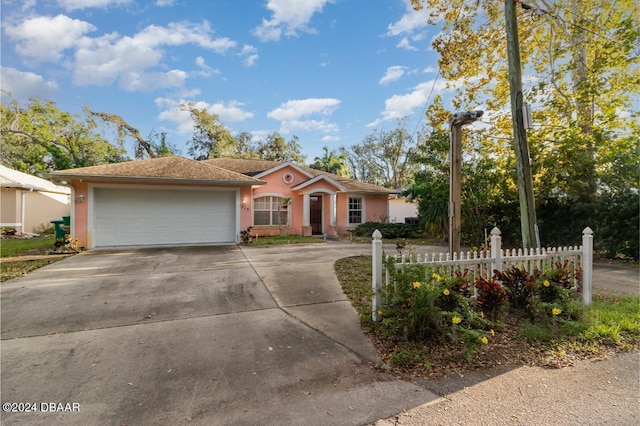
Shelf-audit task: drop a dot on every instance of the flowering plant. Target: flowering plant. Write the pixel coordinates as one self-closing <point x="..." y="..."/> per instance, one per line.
<point x="491" y="296"/>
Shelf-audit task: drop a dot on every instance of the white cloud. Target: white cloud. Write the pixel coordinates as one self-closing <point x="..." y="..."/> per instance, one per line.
<point x="134" y="81"/>
<point x="307" y="126"/>
<point x="410" y="22"/>
<point x="163" y="3"/>
<point x="230" y="112"/>
<point x="404" y="43"/>
<point x="23" y="85"/>
<point x="250" y="55"/>
<point x="205" y="70"/>
<point x="179" y="33"/>
<point x="393" y="73"/>
<point x="85" y="4"/>
<point x="171" y="111"/>
<point x="288" y="17"/>
<point x="292" y="110"/>
<point x="44" y="38"/>
<point x="331" y="138"/>
<point x="110" y="58"/>
<point x="290" y="114"/>
<point x="400" y="106"/>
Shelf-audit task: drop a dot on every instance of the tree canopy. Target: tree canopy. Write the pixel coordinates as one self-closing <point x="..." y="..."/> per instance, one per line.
<point x="332" y="162"/>
<point x="581" y="71"/>
<point x="581" y="77"/>
<point x="383" y="157"/>
<point x="39" y="138"/>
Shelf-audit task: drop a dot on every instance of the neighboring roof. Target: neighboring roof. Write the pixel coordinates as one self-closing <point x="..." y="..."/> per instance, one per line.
<point x="253" y="167"/>
<point x="174" y="169"/>
<point x="10" y="178"/>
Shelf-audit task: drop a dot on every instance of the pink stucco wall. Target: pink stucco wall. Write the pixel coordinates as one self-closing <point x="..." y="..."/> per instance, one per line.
<point x="376" y="208"/>
<point x="376" y="205"/>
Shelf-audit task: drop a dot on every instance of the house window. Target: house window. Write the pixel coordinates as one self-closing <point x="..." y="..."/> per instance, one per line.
<point x="355" y="210"/>
<point x="270" y="211"/>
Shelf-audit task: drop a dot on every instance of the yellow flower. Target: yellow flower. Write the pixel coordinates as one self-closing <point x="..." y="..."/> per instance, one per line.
<point x="436" y="277"/>
<point x="380" y="313"/>
<point x="481" y="314"/>
<point x="416" y="284"/>
<point x="456" y="320"/>
<point x="493" y="333"/>
<point x="546" y="283"/>
<point x="446" y="292"/>
<point x="556" y="311"/>
<point x="484" y="340"/>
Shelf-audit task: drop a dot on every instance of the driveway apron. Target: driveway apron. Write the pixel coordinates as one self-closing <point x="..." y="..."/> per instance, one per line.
<point x="192" y="335"/>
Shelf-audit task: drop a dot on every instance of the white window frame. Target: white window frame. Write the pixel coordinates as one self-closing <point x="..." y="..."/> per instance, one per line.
<point x="271" y="197"/>
<point x="361" y="210"/>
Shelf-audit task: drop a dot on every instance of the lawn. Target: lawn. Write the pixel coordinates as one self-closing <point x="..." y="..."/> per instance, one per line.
<point x="10" y="270"/>
<point x="32" y="246"/>
<point x="285" y="239"/>
<point x="15" y="247"/>
<point x="610" y="324"/>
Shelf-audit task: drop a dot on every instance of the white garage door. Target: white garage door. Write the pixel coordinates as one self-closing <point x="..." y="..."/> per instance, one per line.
<point x="125" y="217"/>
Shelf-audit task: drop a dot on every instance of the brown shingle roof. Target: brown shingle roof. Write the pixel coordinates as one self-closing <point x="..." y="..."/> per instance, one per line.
<point x="164" y="169"/>
<point x="252" y="167"/>
<point x="246" y="166"/>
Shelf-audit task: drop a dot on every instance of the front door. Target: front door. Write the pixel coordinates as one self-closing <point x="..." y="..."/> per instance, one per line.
<point x="315" y="214"/>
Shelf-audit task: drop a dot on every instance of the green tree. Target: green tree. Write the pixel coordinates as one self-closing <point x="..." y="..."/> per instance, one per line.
<point x="211" y="139"/>
<point x="245" y="147"/>
<point x="582" y="59"/>
<point x="430" y="189"/>
<point x="276" y="148"/>
<point x="39" y="138"/>
<point x="383" y="157"/>
<point x="155" y="145"/>
<point x="332" y="162"/>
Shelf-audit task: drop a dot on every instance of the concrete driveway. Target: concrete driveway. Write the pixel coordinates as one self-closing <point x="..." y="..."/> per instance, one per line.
<point x="192" y="335"/>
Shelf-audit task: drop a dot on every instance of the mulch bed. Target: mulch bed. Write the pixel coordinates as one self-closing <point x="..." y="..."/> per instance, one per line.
<point x="505" y="349"/>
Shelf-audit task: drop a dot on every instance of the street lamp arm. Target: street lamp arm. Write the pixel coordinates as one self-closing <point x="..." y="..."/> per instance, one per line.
<point x="466" y="117"/>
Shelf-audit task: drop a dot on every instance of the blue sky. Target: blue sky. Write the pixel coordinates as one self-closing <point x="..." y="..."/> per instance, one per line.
<point x="328" y="71"/>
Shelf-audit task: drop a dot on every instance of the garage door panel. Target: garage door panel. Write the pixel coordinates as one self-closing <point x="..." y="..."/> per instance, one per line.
<point x="153" y="216"/>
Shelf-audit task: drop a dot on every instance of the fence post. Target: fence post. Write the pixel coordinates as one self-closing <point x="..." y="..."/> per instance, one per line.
<point x="496" y="251"/>
<point x="587" y="265"/>
<point x="376" y="282"/>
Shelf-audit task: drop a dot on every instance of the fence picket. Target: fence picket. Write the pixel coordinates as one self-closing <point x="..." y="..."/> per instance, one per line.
<point x="483" y="263"/>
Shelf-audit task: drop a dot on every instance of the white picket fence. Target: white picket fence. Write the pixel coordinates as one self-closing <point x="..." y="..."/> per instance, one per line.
<point x="483" y="263"/>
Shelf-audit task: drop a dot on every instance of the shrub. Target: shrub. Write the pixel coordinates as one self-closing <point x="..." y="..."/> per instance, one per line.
<point x="388" y="230"/>
<point x="491" y="296"/>
<point x="422" y="306"/>
<point x="45" y="229"/>
<point x="519" y="285"/>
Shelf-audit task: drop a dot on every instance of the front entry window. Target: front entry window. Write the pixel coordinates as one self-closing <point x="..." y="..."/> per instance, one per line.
<point x="270" y="211"/>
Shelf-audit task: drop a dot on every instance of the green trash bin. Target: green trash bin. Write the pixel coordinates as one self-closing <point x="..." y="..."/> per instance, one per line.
<point x="66" y="220"/>
<point x="59" y="232"/>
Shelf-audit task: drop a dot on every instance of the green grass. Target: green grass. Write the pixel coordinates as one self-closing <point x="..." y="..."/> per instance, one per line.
<point x="285" y="239"/>
<point x="32" y="246"/>
<point x="613" y="320"/>
<point x="610" y="322"/>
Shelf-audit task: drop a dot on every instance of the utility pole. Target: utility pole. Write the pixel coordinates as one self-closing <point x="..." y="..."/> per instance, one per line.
<point x="523" y="159"/>
<point x="457" y="120"/>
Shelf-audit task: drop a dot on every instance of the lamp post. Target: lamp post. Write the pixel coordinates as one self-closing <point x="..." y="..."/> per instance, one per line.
<point x="456" y="122"/>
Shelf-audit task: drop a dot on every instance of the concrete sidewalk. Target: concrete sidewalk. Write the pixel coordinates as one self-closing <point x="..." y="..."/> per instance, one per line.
<point x="592" y="392"/>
